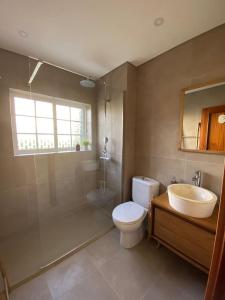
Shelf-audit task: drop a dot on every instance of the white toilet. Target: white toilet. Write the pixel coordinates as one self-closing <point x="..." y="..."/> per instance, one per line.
<point x="129" y="217"/>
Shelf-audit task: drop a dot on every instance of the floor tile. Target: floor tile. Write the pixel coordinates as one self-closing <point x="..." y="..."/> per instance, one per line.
<point x="164" y="289"/>
<point x="35" y="289"/>
<point x="68" y="274"/>
<point x="106" y="271"/>
<point x="104" y="249"/>
<point x="131" y="271"/>
<point x="191" y="280"/>
<point x="93" y="287"/>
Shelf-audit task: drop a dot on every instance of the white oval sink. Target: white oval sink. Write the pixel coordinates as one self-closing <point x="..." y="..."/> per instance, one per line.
<point x="192" y="200"/>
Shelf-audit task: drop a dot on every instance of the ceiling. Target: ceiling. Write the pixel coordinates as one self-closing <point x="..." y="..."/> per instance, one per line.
<point x="92" y="37"/>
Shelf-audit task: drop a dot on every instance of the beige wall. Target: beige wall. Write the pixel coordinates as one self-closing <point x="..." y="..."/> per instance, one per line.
<point x="112" y="126"/>
<point x="158" y="110"/>
<point x="129" y="132"/>
<point x="119" y="127"/>
<point x="35" y="188"/>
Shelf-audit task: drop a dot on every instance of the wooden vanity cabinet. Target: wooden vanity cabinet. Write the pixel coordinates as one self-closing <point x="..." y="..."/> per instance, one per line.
<point x="190" y="238"/>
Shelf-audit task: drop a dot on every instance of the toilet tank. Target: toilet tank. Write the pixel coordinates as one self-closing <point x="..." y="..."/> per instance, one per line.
<point x="143" y="190"/>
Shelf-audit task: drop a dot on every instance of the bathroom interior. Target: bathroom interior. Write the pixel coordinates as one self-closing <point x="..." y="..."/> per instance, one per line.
<point x="112" y="150"/>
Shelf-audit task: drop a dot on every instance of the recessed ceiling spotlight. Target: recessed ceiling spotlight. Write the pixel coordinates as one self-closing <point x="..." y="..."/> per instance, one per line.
<point x="23" y="33"/>
<point x="158" y="21"/>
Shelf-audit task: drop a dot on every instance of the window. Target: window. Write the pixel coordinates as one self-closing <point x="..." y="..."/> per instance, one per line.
<point x="47" y="124"/>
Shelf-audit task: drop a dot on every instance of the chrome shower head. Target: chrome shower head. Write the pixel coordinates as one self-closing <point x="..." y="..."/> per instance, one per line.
<point x="88" y="83"/>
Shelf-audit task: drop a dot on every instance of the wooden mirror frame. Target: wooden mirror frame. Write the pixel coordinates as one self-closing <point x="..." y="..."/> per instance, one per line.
<point x="182" y="95"/>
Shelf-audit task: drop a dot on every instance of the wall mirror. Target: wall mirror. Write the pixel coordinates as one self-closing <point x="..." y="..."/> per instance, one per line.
<point x="203" y="118"/>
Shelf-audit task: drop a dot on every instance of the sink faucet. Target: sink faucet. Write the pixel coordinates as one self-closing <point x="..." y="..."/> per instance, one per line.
<point x="196" y="179"/>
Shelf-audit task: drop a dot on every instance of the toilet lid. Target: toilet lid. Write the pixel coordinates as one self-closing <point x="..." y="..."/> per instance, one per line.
<point x="128" y="212"/>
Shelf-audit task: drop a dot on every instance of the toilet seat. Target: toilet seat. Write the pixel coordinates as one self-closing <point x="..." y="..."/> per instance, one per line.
<point x="128" y="213"/>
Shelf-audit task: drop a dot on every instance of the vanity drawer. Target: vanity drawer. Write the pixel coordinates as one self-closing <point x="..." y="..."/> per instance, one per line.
<point x="189" y="239"/>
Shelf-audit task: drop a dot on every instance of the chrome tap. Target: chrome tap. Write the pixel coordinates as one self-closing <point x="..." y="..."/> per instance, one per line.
<point x="196" y="179"/>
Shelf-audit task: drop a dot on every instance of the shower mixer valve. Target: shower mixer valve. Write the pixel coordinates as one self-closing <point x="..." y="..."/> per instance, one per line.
<point x="105" y="155"/>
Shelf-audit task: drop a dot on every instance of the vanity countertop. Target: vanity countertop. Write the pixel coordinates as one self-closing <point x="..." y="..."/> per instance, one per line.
<point x="209" y="224"/>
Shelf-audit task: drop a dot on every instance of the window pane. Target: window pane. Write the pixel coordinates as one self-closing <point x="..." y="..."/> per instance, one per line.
<point x="46" y="141"/>
<point x="45" y="125"/>
<point x="75" y="126"/>
<point x="63" y="127"/>
<point x="26" y="141"/>
<point x="64" y="141"/>
<point x="76" y="114"/>
<point x="62" y="112"/>
<point x="75" y="140"/>
<point x="25" y="124"/>
<point x="24" y="106"/>
<point x="44" y="109"/>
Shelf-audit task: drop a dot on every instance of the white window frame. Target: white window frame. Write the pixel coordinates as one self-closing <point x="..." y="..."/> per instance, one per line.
<point x="55" y="101"/>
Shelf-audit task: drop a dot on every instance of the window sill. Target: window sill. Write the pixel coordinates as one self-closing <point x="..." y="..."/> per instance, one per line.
<point x="59" y="152"/>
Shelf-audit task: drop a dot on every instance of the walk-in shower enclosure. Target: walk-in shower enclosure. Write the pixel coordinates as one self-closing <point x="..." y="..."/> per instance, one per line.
<point x="56" y="194"/>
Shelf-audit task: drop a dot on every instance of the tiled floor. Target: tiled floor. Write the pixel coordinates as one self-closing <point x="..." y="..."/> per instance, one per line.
<point x="25" y="253"/>
<point x="105" y="271"/>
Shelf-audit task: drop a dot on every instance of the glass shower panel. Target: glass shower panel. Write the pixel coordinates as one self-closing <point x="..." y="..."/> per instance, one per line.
<point x="52" y="203"/>
<point x="67" y="217"/>
<point x="20" y="247"/>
